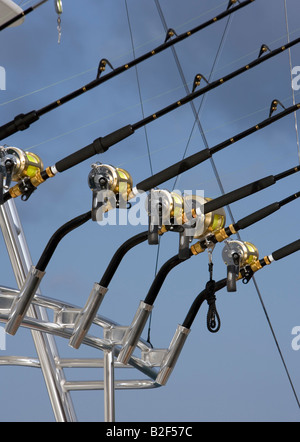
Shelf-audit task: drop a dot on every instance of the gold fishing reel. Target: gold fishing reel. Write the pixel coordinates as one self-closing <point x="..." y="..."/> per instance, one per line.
<point x="167" y="208"/>
<point x="236" y="255"/>
<point x="19" y="163"/>
<point x="111" y="187"/>
<point x="205" y="224"/>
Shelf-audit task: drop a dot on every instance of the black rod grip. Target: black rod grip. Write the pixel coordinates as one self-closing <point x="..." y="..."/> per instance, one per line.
<point x="256" y="216"/>
<point x="174" y="170"/>
<point x="20" y="122"/>
<point x="100" y="145"/>
<point x="286" y="250"/>
<point x="238" y="194"/>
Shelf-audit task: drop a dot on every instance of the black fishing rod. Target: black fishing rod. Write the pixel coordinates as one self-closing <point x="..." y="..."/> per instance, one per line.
<point x="134" y="331"/>
<point x="99" y="290"/>
<point x="87" y="315"/>
<point x="23" y="121"/>
<point x="258" y="265"/>
<point x="21" y="15"/>
<point x="36" y="273"/>
<point x="247" y="221"/>
<point x="28" y="184"/>
<point x="208" y="294"/>
<point x="218" y="236"/>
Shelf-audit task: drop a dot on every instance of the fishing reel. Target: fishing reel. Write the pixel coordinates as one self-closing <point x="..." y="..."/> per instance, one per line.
<point x="166" y="212"/>
<point x="170" y="211"/>
<point x="17" y="165"/>
<point x="236" y="255"/>
<point x="111" y="187"/>
<point x="206" y="223"/>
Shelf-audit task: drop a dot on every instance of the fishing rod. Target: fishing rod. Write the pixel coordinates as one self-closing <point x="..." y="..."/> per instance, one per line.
<point x="145" y="307"/>
<point x="118" y="182"/>
<point x="23" y="121"/>
<point x="190" y="216"/>
<point x="208" y="294"/>
<point x="29" y="182"/>
<point x="88" y="313"/>
<point x="36" y="273"/>
<point x="86" y="316"/>
<point x="21" y="15"/>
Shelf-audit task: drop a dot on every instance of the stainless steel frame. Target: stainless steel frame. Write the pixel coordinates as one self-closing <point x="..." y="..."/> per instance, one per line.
<point x="156" y="364"/>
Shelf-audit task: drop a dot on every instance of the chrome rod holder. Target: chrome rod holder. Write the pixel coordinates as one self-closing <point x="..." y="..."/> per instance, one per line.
<point x="172" y="355"/>
<point x="86" y="316"/>
<point x="23" y="300"/>
<point x="134" y="331"/>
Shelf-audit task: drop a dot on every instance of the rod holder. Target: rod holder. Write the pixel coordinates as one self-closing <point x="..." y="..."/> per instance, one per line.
<point x="22" y="301"/>
<point x="86" y="316"/>
<point x="171" y="357"/>
<point x="134" y="331"/>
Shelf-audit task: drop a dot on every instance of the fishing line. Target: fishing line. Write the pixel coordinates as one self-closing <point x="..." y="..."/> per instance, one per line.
<point x="23" y="121"/>
<point x="148" y="149"/>
<point x="197" y="121"/>
<point x="113" y="61"/>
<point x="195" y="112"/>
<point x="128" y="53"/>
<point x="139" y="88"/>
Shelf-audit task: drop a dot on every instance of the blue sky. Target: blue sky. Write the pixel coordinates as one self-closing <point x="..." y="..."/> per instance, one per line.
<point x="236" y="374"/>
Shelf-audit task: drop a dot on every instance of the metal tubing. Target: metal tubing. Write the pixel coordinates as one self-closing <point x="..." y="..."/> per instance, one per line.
<point x="109" y="387"/>
<point x="23" y="300"/>
<point x="119" y="385"/>
<point x="171" y="357"/>
<point x="86" y="316"/>
<point x="45" y="344"/>
<point x="134" y="332"/>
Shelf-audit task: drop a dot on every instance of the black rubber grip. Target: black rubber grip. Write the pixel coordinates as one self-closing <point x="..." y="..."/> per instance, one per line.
<point x="100" y="145"/>
<point x="238" y="194"/>
<point x="256" y="216"/>
<point x="287" y="250"/>
<point x="20" y="122"/>
<point x="174" y="170"/>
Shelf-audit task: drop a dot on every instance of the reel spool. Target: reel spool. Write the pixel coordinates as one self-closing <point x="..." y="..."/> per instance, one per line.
<point x="237" y="254"/>
<point x="165" y="211"/>
<point x="111" y="187"/>
<point x="205" y="223"/>
<point x="19" y="164"/>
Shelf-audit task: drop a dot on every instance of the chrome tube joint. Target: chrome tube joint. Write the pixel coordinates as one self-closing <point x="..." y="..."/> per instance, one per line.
<point x="86" y="316"/>
<point x="23" y="300"/>
<point x="134" y="331"/>
<point x="172" y="355"/>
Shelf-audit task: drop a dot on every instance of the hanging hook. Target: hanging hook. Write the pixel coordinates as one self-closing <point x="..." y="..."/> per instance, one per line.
<point x="197" y="81"/>
<point x="274" y="105"/>
<point x="102" y="66"/>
